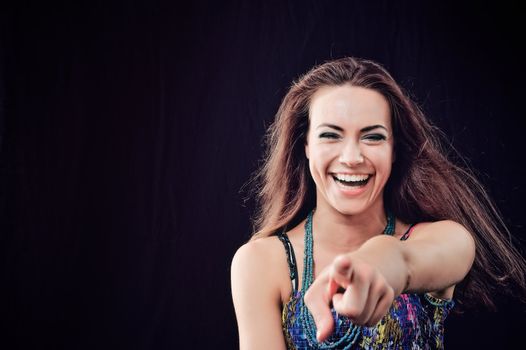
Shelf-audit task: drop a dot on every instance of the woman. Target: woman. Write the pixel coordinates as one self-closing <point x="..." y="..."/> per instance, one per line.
<point x="365" y="230"/>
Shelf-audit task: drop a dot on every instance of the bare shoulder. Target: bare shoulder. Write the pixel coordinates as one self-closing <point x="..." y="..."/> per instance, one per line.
<point x="258" y="276"/>
<point x="443" y="229"/>
<point x="262" y="263"/>
<point x="259" y="251"/>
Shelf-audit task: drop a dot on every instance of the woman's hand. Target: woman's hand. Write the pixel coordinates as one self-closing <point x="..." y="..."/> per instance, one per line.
<point x="360" y="285"/>
<point x="363" y="284"/>
<point x="356" y="288"/>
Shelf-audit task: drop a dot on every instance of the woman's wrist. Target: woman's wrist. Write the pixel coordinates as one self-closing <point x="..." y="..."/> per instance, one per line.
<point x="388" y="256"/>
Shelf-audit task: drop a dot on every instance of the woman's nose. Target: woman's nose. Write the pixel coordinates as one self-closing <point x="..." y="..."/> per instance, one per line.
<point x="351" y="155"/>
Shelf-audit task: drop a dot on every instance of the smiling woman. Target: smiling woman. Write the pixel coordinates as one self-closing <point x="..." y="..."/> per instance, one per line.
<point x="357" y="194"/>
<point x="349" y="147"/>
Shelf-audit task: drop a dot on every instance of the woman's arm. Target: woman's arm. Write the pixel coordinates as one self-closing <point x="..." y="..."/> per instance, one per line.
<point x="256" y="271"/>
<point x="435" y="258"/>
<point x="439" y="255"/>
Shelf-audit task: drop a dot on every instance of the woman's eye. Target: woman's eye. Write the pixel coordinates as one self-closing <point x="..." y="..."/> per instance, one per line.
<point x="374" y="137"/>
<point x="329" y="135"/>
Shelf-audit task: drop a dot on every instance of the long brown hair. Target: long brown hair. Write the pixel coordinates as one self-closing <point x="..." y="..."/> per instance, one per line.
<point x="424" y="184"/>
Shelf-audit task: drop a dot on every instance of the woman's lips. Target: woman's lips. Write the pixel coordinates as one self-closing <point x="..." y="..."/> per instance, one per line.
<point x="351" y="188"/>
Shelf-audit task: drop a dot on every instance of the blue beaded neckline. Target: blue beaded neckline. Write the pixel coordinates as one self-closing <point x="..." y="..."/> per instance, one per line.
<point x="349" y="338"/>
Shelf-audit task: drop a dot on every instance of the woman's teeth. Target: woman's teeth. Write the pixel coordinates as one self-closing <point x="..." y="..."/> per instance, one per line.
<point x="351" y="180"/>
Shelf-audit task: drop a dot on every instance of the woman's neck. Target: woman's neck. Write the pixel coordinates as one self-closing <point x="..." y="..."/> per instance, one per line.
<point x="340" y="233"/>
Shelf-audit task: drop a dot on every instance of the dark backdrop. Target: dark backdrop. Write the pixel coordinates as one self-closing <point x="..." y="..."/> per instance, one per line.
<point x="128" y="128"/>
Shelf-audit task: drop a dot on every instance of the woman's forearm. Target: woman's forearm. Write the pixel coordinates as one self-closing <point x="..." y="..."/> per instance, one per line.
<point x="437" y="256"/>
<point x="387" y="254"/>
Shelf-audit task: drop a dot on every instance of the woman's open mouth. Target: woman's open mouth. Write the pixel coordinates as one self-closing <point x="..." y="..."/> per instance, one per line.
<point x="351" y="180"/>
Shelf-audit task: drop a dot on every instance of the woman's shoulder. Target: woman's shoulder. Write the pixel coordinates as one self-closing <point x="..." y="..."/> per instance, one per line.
<point x="270" y="249"/>
<point x="262" y="262"/>
<point x="259" y="249"/>
<point x="421" y="229"/>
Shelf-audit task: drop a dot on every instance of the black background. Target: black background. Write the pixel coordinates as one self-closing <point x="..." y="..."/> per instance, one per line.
<point x="129" y="127"/>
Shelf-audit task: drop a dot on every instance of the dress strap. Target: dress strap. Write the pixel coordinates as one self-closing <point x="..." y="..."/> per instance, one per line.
<point x="291" y="259"/>
<point x="408" y="232"/>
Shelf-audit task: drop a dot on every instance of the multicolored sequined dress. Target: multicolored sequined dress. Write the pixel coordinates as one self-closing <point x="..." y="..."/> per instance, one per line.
<point x="414" y="321"/>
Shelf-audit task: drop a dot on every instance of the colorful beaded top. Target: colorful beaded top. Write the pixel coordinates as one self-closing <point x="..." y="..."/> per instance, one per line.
<point x="414" y="321"/>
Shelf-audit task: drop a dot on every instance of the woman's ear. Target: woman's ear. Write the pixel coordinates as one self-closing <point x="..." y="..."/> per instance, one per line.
<point x="306" y="150"/>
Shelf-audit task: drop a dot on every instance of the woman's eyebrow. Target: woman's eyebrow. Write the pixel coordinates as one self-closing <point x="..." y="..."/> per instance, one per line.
<point x="336" y="127"/>
<point x="366" y="129"/>
<point x="372" y="127"/>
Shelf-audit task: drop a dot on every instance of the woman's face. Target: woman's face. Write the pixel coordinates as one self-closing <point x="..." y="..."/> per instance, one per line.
<point x="349" y="147"/>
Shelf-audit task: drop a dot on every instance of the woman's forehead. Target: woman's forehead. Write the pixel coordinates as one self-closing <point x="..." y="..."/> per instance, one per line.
<point x="348" y="104"/>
